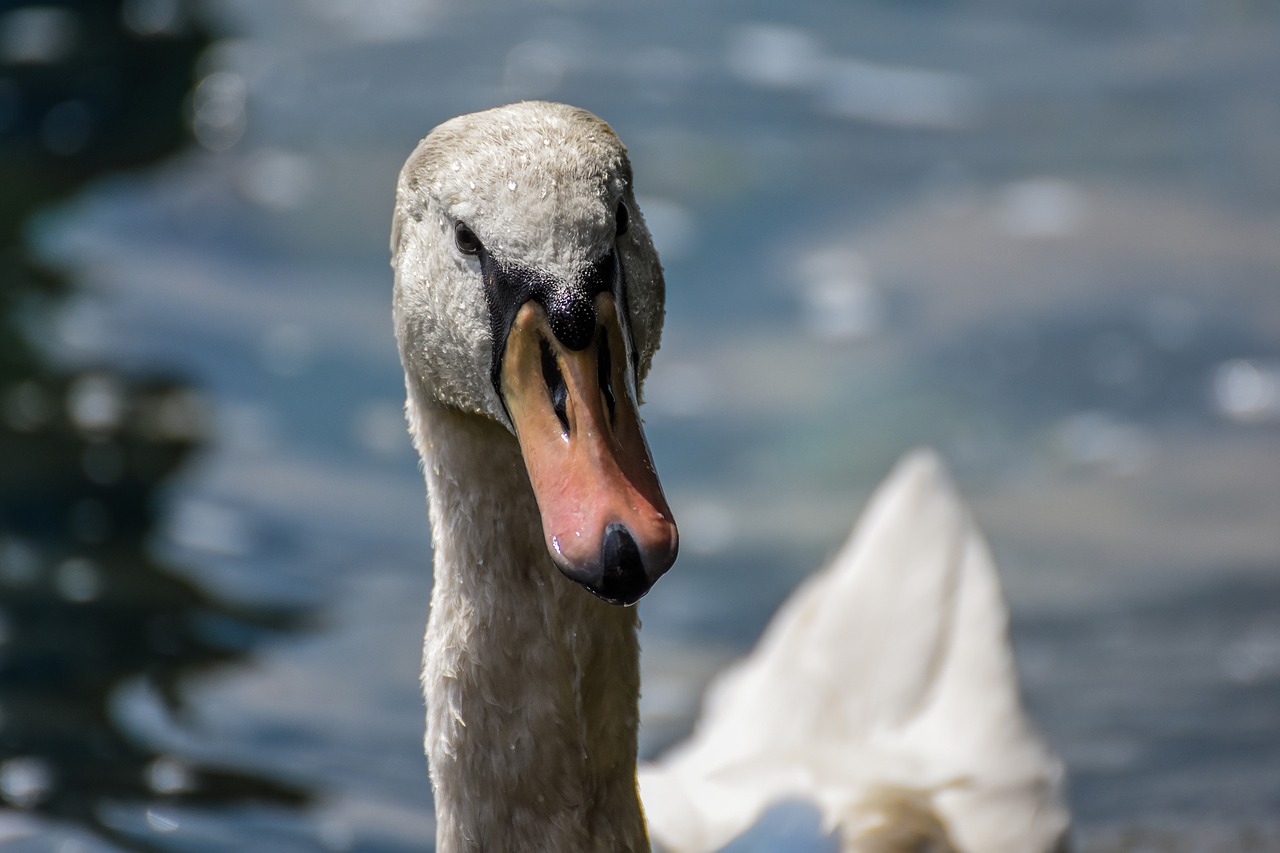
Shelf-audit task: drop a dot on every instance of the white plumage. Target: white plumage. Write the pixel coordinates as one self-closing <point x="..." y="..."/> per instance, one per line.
<point x="884" y="692"/>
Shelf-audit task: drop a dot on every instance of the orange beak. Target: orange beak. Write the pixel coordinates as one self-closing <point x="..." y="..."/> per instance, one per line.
<point x="605" y="520"/>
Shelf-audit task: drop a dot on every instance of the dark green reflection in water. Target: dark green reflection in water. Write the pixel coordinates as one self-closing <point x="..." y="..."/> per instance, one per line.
<point x="85" y="609"/>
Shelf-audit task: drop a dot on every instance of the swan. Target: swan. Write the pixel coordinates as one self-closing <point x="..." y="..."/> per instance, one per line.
<point x="528" y="306"/>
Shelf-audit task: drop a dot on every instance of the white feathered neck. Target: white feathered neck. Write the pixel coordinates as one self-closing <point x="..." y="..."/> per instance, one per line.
<point x="531" y="683"/>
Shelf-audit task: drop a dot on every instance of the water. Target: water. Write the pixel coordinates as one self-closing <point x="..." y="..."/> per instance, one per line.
<point x="1042" y="239"/>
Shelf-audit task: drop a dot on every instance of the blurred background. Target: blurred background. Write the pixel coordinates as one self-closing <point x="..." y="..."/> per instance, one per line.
<point x="1044" y="238"/>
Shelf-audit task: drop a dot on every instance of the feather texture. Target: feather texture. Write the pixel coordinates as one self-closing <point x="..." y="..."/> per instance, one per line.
<point x="883" y="691"/>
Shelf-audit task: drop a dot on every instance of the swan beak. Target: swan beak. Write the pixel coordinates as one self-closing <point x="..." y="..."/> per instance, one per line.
<point x="605" y="520"/>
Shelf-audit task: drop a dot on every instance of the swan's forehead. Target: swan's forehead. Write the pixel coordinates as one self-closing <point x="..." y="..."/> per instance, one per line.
<point x="537" y="183"/>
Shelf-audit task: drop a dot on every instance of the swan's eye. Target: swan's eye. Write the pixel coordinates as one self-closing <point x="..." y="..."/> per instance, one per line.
<point x="622" y="218"/>
<point x="467" y="241"/>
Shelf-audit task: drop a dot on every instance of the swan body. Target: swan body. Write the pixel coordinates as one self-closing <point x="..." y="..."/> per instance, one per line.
<point x="528" y="306"/>
<point x="883" y="692"/>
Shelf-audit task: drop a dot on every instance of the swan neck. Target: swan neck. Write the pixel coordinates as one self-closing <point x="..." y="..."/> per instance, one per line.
<point x="531" y="683"/>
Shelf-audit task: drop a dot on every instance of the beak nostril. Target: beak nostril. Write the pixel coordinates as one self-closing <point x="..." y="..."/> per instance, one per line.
<point x="604" y="374"/>
<point x="556" y="387"/>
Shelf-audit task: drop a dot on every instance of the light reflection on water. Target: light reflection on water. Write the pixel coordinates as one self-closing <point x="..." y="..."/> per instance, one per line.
<point x="1042" y="240"/>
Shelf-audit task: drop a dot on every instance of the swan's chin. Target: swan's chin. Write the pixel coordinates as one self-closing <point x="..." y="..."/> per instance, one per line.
<point x="605" y="520"/>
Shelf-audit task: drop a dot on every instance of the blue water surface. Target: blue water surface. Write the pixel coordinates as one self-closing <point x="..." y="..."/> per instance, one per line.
<point x="1044" y="238"/>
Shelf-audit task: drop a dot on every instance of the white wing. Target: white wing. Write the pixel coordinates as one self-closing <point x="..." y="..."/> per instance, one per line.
<point x="884" y="692"/>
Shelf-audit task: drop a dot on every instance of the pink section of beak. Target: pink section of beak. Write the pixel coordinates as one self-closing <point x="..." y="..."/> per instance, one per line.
<point x="606" y="522"/>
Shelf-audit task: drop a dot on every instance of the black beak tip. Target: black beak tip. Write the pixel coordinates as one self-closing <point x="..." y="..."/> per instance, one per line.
<point x="620" y="578"/>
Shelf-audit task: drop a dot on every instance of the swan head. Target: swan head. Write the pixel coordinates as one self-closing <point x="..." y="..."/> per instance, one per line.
<point x="528" y="292"/>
